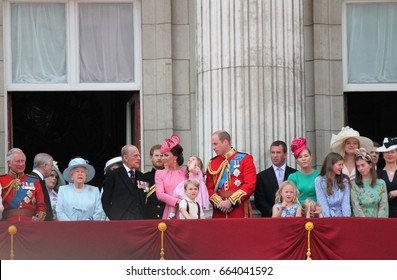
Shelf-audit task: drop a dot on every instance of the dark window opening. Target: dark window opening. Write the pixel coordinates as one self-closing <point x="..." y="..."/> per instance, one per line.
<point x="68" y="124"/>
<point x="372" y="114"/>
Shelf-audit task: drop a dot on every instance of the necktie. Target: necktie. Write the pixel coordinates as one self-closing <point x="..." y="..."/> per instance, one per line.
<point x="280" y="175"/>
<point x="132" y="176"/>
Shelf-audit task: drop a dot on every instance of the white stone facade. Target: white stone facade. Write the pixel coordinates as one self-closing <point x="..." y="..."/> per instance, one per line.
<point x="261" y="69"/>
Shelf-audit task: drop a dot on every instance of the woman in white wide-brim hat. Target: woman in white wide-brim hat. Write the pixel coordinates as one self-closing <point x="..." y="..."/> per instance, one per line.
<point x="113" y="164"/>
<point x="78" y="200"/>
<point x="388" y="173"/>
<point x="345" y="143"/>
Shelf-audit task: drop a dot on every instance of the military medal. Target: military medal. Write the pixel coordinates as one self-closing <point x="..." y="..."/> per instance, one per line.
<point x="236" y="172"/>
<point x="237" y="183"/>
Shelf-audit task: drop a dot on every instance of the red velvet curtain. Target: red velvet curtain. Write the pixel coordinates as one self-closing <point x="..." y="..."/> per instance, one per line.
<point x="220" y="239"/>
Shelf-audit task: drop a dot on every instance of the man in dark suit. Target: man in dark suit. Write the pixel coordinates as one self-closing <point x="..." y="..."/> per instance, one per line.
<point x="154" y="208"/>
<point x="123" y="197"/>
<point x="42" y="166"/>
<point x="268" y="180"/>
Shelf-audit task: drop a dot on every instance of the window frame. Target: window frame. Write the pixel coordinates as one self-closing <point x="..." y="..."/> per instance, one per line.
<point x="348" y="87"/>
<point x="73" y="71"/>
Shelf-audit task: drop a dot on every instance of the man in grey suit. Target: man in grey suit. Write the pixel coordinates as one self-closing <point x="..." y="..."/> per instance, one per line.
<point x="123" y="198"/>
<point x="42" y="166"/>
<point x="268" y="180"/>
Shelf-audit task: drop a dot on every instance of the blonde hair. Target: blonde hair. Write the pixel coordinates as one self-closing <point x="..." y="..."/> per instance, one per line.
<point x="284" y="184"/>
<point x="307" y="204"/>
<point x="200" y="165"/>
<point x="191" y="182"/>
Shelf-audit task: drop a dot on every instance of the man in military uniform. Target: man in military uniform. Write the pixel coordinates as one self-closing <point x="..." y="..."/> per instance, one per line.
<point x="22" y="194"/>
<point x="230" y="179"/>
<point x="154" y="208"/>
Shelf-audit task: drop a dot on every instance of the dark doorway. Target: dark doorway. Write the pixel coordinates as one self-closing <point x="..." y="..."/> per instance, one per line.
<point x="68" y="124"/>
<point x="372" y="114"/>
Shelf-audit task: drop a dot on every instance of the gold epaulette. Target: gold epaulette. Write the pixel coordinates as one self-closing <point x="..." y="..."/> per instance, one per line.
<point x="216" y="199"/>
<point x="236" y="196"/>
<point x="219" y="170"/>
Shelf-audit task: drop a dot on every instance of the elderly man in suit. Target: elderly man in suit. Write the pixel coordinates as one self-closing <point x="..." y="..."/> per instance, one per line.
<point x="268" y="180"/>
<point x="42" y="166"/>
<point x="123" y="197"/>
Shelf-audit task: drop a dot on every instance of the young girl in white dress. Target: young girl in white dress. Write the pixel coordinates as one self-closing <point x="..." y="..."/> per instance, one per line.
<point x="193" y="172"/>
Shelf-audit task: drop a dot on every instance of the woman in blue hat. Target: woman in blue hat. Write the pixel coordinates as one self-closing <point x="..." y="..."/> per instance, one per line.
<point x="79" y="201"/>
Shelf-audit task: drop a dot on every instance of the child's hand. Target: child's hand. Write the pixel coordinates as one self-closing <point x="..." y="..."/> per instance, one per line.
<point x="284" y="205"/>
<point x="192" y="168"/>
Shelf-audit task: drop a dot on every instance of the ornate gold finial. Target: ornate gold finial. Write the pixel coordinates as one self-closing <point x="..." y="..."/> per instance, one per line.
<point x="162" y="227"/>
<point x="12" y="230"/>
<point x="309" y="226"/>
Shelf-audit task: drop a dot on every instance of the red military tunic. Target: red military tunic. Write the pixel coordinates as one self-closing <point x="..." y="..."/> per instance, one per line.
<point x="239" y="184"/>
<point x="32" y="203"/>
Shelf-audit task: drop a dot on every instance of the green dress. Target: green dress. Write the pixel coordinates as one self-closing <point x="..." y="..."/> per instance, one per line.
<point x="305" y="184"/>
<point x="369" y="202"/>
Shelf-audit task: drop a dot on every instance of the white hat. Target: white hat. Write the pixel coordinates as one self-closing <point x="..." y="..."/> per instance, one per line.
<point x="337" y="141"/>
<point x="110" y="162"/>
<point x="389" y="144"/>
<point x="76" y="162"/>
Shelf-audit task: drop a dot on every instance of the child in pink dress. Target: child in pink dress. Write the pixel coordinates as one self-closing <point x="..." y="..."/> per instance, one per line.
<point x="193" y="172"/>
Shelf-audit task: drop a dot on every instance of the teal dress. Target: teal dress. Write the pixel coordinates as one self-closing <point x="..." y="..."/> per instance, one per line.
<point x="305" y="184"/>
<point x="370" y="202"/>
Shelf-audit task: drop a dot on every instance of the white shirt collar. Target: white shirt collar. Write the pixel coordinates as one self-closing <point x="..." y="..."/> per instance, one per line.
<point x="283" y="167"/>
<point x="128" y="169"/>
<point x="38" y="173"/>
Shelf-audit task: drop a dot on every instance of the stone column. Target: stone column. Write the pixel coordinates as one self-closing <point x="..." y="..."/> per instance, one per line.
<point x="250" y="73"/>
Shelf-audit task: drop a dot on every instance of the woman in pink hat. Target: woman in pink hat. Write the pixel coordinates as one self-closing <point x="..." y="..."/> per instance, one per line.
<point x="168" y="178"/>
<point x="303" y="179"/>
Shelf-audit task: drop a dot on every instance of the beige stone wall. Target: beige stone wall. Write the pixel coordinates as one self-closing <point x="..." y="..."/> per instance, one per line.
<point x="3" y="141"/>
<point x="250" y="74"/>
<point x="169" y="77"/>
<point x="323" y="73"/>
<point x="168" y="73"/>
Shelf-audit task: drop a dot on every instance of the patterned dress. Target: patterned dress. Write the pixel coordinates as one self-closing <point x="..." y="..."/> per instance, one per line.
<point x="368" y="201"/>
<point x="288" y="212"/>
<point x="337" y="204"/>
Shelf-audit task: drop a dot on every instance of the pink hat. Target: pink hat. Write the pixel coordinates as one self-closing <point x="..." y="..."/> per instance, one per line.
<point x="298" y="145"/>
<point x="169" y="143"/>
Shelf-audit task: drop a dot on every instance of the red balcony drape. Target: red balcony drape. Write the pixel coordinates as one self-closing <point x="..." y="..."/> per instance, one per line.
<point x="233" y="239"/>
